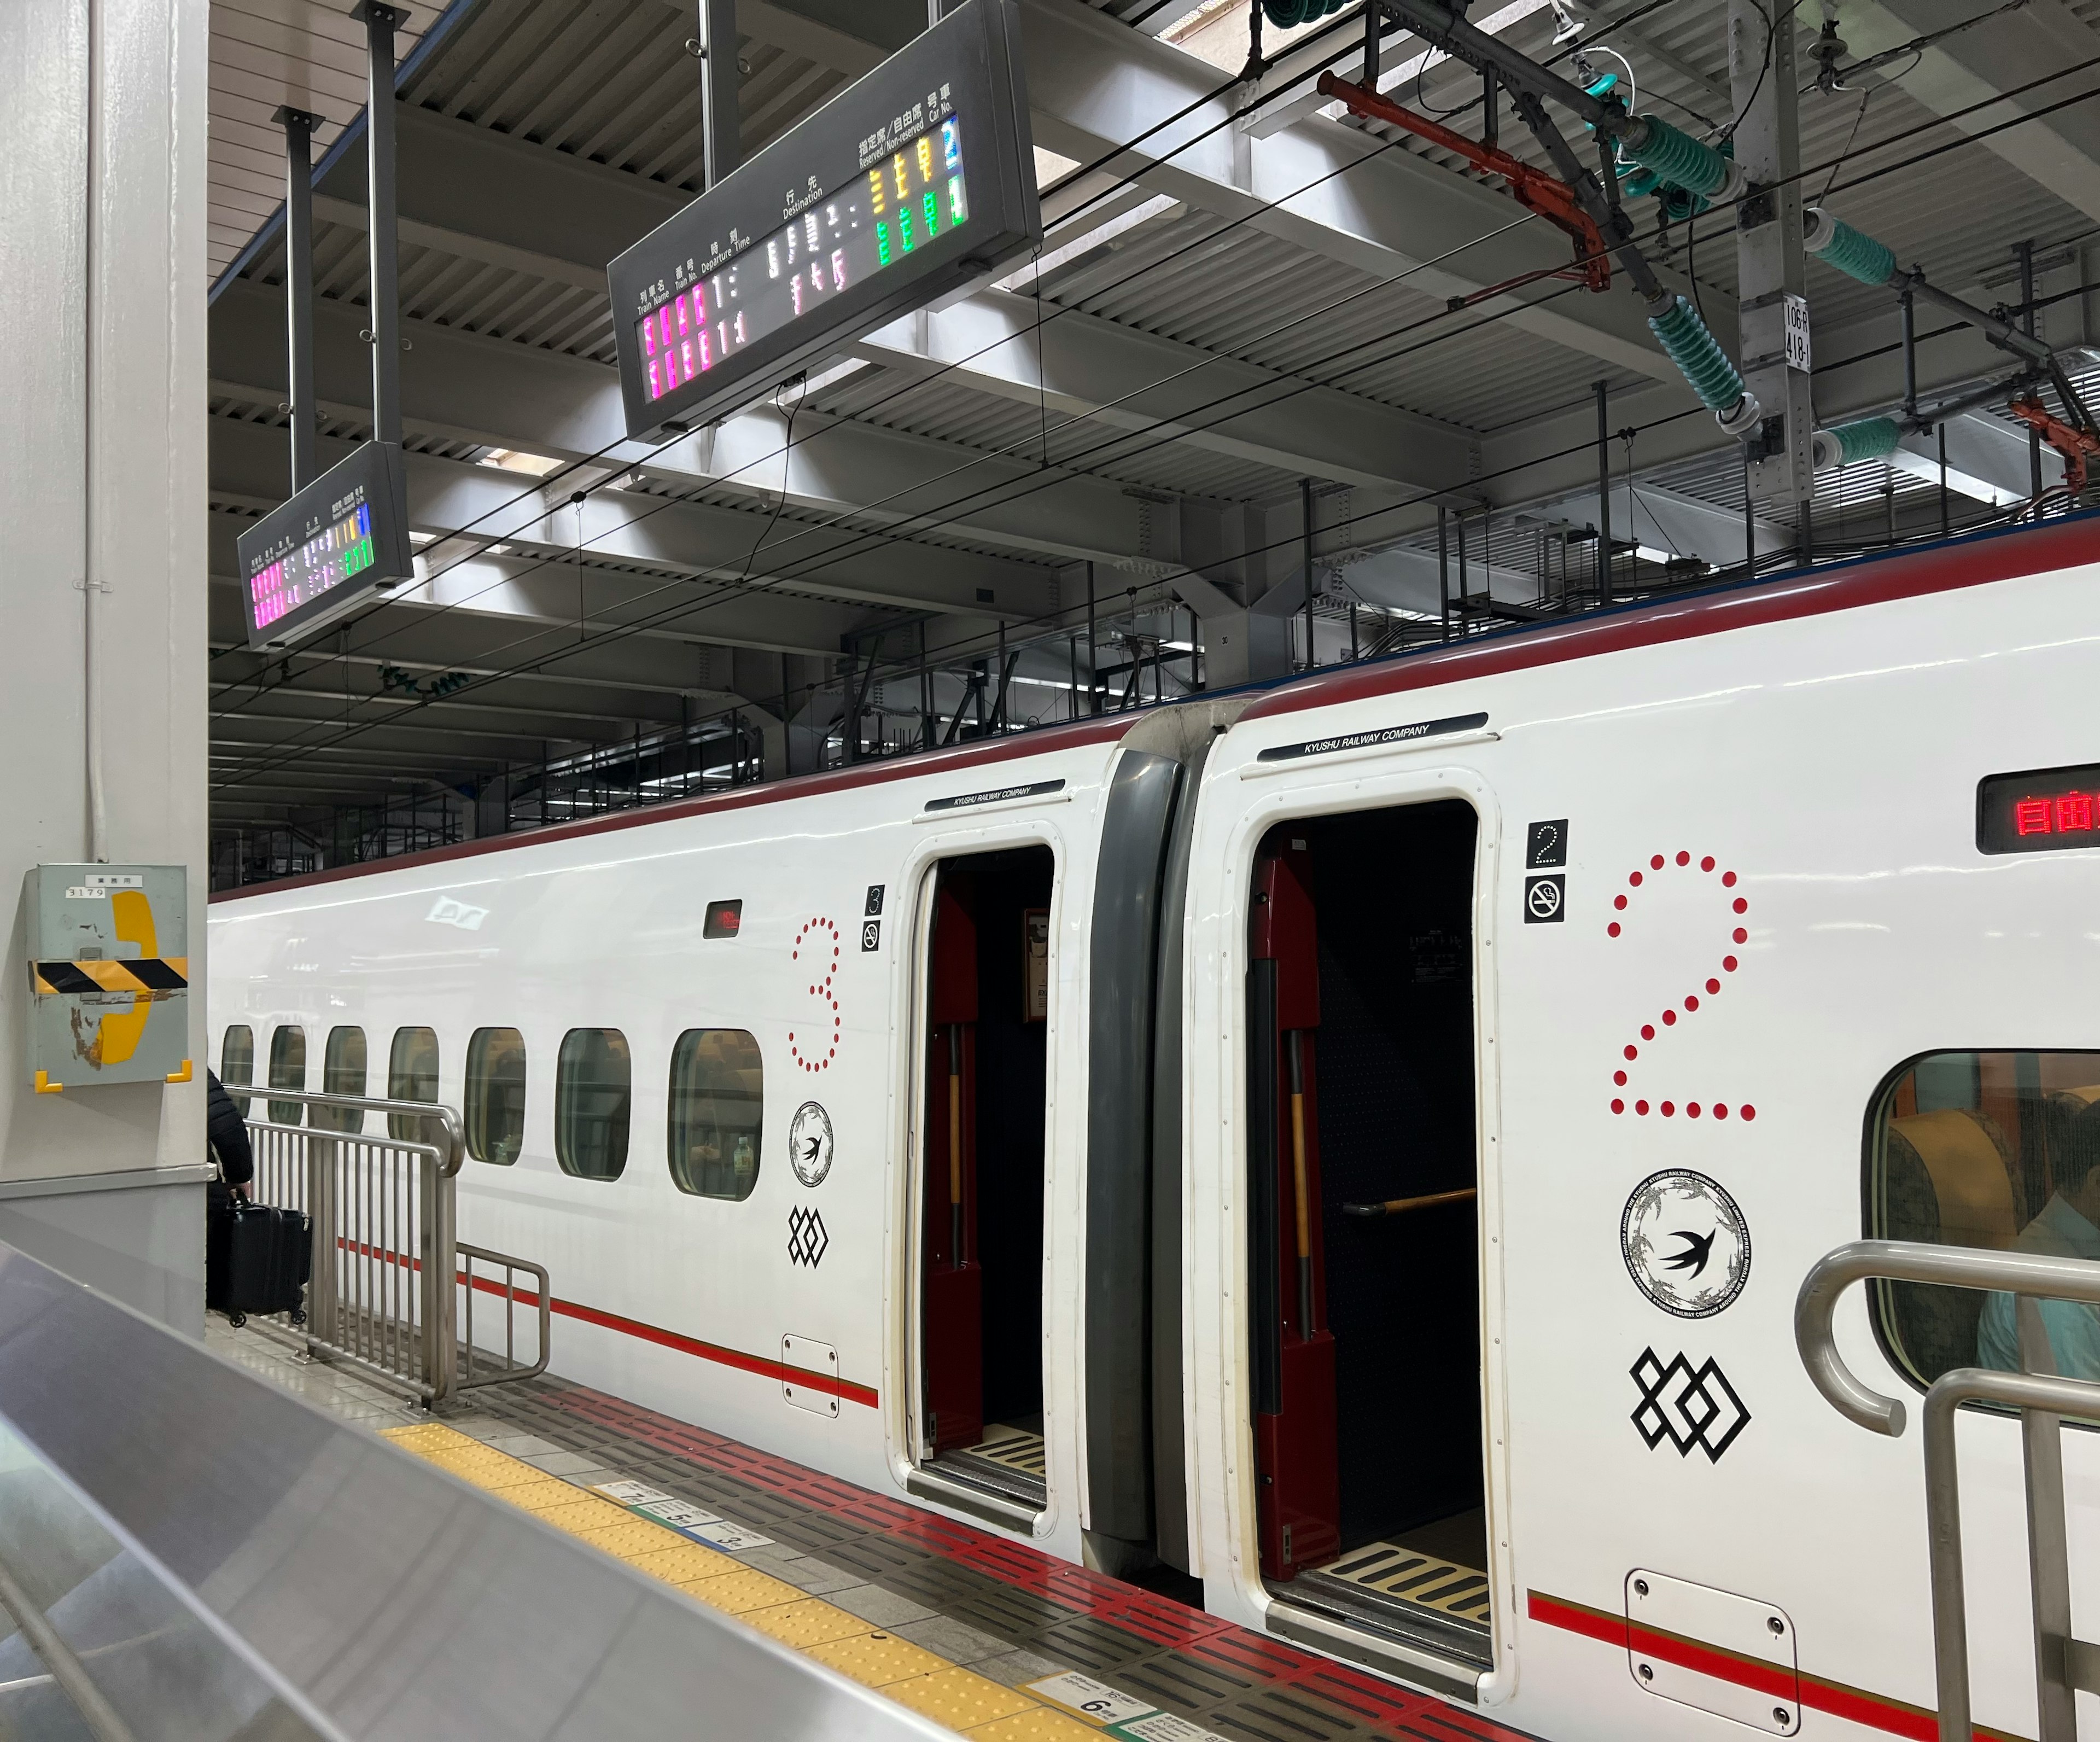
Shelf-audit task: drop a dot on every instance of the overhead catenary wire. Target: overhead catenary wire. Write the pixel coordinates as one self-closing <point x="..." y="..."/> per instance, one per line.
<point x="686" y="609"/>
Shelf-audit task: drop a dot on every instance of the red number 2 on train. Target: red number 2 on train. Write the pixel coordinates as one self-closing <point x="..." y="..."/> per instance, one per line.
<point x="1635" y="1071"/>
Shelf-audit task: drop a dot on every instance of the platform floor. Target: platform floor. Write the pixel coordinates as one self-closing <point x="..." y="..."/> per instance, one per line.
<point x="981" y="1632"/>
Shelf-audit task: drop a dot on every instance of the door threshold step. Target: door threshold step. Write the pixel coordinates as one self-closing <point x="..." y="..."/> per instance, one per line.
<point x="1391" y="1618"/>
<point x="970" y="1466"/>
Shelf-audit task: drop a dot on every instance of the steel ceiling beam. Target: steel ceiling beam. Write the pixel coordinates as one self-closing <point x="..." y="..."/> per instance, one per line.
<point x="1082" y="366"/>
<point x="1094" y="85"/>
<point x="2060" y="152"/>
<point x="802" y="563"/>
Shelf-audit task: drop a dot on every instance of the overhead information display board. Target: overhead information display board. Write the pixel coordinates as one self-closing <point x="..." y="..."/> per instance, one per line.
<point x="913" y="183"/>
<point x="306" y="563"/>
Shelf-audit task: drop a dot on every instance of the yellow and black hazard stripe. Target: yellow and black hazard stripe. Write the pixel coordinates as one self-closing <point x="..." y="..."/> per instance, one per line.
<point x="145" y="973"/>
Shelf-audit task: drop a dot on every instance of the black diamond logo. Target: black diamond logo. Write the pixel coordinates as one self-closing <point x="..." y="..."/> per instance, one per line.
<point x="807" y="1241"/>
<point x="1688" y="1406"/>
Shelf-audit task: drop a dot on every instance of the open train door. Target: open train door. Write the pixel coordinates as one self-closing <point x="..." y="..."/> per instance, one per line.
<point x="954" y="1281"/>
<point x="1299" y="1498"/>
<point x="1364" y="1327"/>
<point x="980" y="1195"/>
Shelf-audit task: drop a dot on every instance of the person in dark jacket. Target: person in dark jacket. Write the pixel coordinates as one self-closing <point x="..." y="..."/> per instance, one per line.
<point x="227" y="1134"/>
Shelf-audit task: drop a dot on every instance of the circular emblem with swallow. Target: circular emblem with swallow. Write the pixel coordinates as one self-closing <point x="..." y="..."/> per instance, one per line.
<point x="1687" y="1246"/>
<point x="809" y="1143"/>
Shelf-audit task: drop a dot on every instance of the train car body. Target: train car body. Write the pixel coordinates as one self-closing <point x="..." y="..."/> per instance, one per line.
<point x="1359" y="1141"/>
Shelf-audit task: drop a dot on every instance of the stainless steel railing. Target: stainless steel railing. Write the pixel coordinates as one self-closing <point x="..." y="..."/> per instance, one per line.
<point x="383" y="1297"/>
<point x="469" y="1283"/>
<point x="2063" y="1664"/>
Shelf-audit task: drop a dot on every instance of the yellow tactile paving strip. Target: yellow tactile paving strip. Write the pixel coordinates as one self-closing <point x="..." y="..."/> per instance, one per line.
<point x="973" y="1705"/>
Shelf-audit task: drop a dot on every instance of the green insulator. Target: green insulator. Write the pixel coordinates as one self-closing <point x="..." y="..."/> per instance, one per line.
<point x="1855" y="254"/>
<point x="1677" y="157"/>
<point x="1287" y="15"/>
<point x="1869" y="438"/>
<point x="1681" y="333"/>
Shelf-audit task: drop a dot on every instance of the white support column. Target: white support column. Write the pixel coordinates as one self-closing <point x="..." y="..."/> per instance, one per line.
<point x="102" y="487"/>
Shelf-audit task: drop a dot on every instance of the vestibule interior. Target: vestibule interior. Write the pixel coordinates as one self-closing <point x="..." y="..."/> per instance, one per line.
<point x="982" y="1182"/>
<point x="1364" y="1263"/>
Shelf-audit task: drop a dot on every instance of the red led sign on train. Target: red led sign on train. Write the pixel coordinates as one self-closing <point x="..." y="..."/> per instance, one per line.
<point x="2042" y="810"/>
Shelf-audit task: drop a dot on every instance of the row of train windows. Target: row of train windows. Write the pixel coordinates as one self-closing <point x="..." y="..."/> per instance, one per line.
<point x="712" y="1131"/>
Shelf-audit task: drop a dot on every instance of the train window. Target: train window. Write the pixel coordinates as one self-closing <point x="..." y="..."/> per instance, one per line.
<point x="342" y="1072"/>
<point x="288" y="1070"/>
<point x="592" y="1081"/>
<point x="412" y="1074"/>
<point x="496" y="1095"/>
<point x="1995" y="1150"/>
<point x="717" y="1100"/>
<point x="237" y="1060"/>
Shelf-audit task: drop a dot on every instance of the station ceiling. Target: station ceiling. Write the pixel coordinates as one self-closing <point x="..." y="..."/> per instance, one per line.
<point x="1227" y="318"/>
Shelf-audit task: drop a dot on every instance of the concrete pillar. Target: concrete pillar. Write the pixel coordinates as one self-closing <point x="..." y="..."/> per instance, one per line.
<point x="101" y="489"/>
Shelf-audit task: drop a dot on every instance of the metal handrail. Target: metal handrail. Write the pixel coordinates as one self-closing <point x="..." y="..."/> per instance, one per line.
<point x="57" y="1657"/>
<point x="511" y="1266"/>
<point x="449" y="1153"/>
<point x="2034" y="1274"/>
<point x="2063" y="1662"/>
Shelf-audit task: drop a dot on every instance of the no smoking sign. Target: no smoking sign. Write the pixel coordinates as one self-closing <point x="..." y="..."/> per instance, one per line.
<point x="1545" y="899"/>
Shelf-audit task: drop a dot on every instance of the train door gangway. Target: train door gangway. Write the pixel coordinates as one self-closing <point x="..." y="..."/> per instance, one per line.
<point x="392" y="1288"/>
<point x="2063" y="1662"/>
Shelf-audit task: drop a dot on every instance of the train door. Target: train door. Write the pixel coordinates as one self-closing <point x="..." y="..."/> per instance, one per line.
<point x="980" y="1178"/>
<point x="1364" y="1302"/>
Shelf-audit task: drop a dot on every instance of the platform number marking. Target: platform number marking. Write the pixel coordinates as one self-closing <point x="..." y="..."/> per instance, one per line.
<point x="1647" y="878"/>
<point x="814" y="1040"/>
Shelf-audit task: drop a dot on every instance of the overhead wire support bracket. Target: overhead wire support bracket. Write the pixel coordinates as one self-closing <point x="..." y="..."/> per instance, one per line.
<point x="1533" y="189"/>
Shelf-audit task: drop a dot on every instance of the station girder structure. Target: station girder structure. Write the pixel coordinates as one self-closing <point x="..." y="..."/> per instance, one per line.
<point x="1228" y="307"/>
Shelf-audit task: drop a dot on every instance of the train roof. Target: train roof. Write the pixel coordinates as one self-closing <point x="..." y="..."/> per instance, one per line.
<point x="1975" y="559"/>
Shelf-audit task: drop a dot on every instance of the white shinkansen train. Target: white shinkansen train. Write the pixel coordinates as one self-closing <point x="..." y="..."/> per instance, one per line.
<point x="1358" y="1141"/>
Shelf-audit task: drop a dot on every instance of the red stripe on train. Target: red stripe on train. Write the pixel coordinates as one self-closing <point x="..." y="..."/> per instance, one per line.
<point x="719" y="1353"/>
<point x="1855" y="1705"/>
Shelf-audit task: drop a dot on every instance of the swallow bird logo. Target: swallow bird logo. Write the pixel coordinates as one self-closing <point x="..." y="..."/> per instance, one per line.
<point x="810" y="1144"/>
<point x="1685" y="1244"/>
<point x="1693" y="1256"/>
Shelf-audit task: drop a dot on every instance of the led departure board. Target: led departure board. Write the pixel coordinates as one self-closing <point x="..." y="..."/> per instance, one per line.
<point x="2043" y="810"/>
<point x="913" y="183"/>
<point x="319" y="555"/>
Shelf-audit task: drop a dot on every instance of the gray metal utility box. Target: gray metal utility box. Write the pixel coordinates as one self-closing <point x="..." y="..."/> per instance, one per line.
<point x="109" y="974"/>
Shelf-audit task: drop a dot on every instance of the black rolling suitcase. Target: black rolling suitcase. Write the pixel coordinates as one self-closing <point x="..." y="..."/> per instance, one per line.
<point x="268" y="1256"/>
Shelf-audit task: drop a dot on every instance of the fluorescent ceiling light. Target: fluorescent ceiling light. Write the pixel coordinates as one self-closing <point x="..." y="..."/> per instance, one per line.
<point x="1962" y="483"/>
<point x="514" y="460"/>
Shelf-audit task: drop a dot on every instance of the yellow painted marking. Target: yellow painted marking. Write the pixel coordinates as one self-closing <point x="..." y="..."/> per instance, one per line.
<point x="626" y="1541"/>
<point x="583" y="1515"/>
<point x="878" y="1659"/>
<point x="740" y="1592"/>
<point x="810" y="1622"/>
<point x="685" y="1561"/>
<point x="1038" y="1724"/>
<point x="961" y="1698"/>
<point x="131" y="919"/>
<point x="896" y="1669"/>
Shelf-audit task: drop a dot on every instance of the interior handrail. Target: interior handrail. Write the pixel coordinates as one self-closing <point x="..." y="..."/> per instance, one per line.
<point x="451" y="1152"/>
<point x="2037" y="1275"/>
